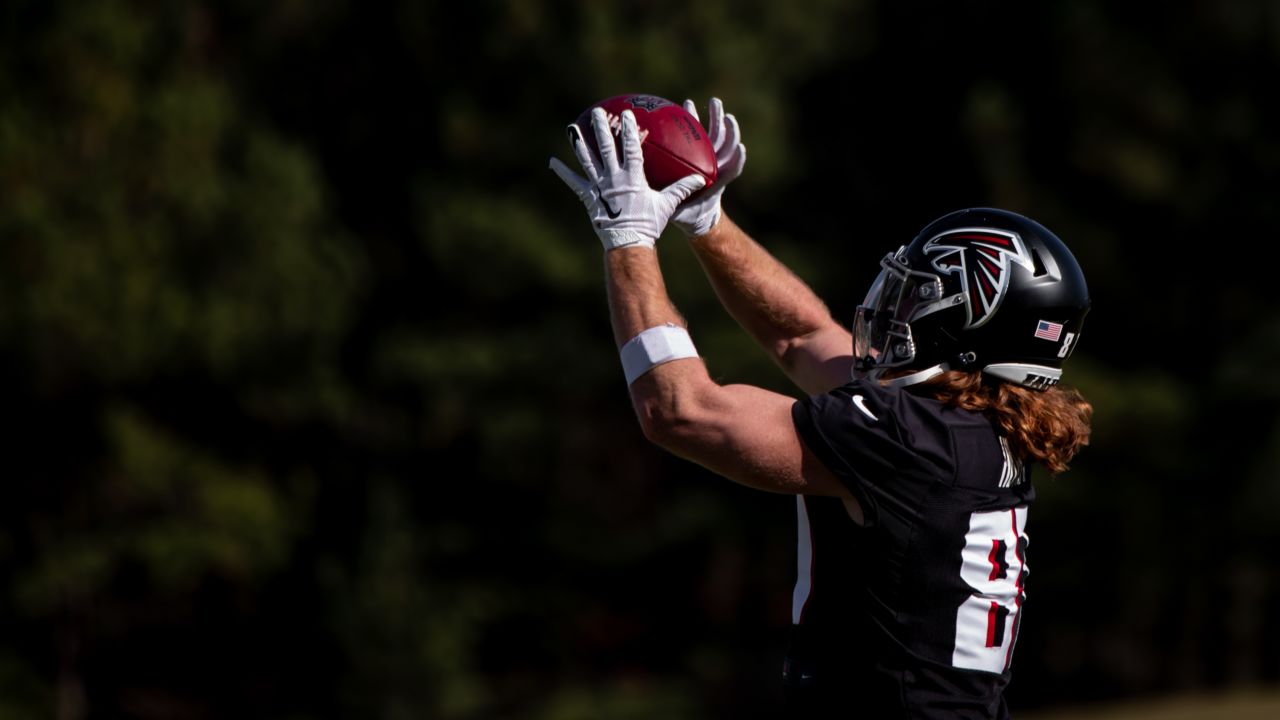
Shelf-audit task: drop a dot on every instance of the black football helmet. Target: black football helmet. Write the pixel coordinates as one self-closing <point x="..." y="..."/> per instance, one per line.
<point x="982" y="289"/>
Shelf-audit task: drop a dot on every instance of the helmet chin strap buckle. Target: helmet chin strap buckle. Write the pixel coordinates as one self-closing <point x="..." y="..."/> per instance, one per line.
<point x="965" y="359"/>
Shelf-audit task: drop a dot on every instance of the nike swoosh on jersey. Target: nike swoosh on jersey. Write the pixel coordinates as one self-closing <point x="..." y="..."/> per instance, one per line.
<point x="861" y="404"/>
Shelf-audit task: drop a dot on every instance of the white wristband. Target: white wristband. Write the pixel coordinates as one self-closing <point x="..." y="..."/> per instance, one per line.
<point x="653" y="347"/>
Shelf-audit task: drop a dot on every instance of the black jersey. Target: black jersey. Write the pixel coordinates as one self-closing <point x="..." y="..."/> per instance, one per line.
<point x="913" y="614"/>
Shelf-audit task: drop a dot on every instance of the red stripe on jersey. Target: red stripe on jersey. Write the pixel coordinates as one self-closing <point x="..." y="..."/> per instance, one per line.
<point x="993" y="621"/>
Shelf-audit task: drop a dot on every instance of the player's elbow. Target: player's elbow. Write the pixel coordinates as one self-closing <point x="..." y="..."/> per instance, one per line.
<point x="789" y="352"/>
<point x="793" y="352"/>
<point x="662" y="423"/>
<point x="671" y="421"/>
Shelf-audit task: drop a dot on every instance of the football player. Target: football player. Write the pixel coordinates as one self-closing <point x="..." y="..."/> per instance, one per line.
<point x="910" y="458"/>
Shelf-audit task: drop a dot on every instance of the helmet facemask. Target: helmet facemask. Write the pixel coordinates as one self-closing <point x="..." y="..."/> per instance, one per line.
<point x="899" y="296"/>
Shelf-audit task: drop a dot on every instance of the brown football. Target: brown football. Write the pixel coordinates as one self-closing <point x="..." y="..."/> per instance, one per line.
<point x="674" y="143"/>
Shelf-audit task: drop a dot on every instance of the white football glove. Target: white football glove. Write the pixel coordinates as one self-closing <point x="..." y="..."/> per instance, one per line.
<point x="697" y="217"/>
<point x="624" y="210"/>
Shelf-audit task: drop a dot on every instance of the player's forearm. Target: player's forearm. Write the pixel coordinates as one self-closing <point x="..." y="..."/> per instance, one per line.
<point x="773" y="305"/>
<point x="638" y="301"/>
<point x="638" y="297"/>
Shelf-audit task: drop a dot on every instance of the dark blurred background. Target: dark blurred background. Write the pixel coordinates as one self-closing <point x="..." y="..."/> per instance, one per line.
<point x="311" y="404"/>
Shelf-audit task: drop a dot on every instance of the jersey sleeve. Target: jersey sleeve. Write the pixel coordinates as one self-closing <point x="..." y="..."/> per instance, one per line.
<point x="858" y="432"/>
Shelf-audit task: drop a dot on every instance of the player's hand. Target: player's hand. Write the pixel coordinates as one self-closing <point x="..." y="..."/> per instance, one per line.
<point x="698" y="216"/>
<point x="624" y="210"/>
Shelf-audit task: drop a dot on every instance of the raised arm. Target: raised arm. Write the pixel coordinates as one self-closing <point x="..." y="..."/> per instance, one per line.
<point x="742" y="432"/>
<point x="774" y="306"/>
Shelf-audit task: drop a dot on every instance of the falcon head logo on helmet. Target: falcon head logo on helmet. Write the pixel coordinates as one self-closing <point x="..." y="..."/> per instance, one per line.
<point x="981" y="257"/>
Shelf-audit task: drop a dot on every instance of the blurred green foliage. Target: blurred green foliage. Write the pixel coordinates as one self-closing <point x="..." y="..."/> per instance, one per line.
<point x="313" y="410"/>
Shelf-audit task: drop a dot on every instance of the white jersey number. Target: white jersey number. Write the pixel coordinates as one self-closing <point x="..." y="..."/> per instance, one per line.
<point x="994" y="565"/>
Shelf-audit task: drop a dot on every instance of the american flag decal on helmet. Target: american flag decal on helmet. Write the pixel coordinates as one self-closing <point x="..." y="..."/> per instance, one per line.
<point x="982" y="257"/>
<point x="1050" y="331"/>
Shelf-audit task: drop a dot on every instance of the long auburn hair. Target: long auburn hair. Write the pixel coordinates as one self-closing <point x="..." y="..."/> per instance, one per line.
<point x="1046" y="426"/>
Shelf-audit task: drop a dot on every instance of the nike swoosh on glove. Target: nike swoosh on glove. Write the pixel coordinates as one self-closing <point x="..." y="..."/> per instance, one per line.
<point x="624" y="210"/>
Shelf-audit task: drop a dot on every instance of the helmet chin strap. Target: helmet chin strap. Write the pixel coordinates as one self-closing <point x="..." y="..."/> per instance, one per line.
<point x="918" y="376"/>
